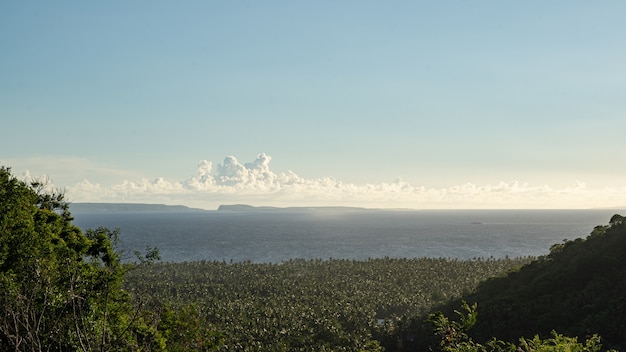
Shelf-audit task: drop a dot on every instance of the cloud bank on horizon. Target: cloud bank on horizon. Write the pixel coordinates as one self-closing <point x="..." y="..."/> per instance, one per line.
<point x="255" y="183"/>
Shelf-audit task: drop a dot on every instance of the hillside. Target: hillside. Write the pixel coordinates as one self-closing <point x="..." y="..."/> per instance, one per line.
<point x="578" y="289"/>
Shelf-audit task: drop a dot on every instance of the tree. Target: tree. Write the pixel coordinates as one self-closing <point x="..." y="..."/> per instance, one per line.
<point x="60" y="288"/>
<point x="452" y="333"/>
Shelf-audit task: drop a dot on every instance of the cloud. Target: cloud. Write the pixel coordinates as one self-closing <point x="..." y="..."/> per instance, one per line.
<point x="256" y="175"/>
<point x="255" y="183"/>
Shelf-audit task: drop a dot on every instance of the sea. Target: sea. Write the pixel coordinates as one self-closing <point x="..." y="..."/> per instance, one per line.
<point x="276" y="236"/>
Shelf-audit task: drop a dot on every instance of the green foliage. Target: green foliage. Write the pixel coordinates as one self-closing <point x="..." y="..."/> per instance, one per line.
<point x="302" y="305"/>
<point x="61" y="289"/>
<point x="451" y="332"/>
<point x="454" y="338"/>
<point x="560" y="343"/>
<point x="184" y="329"/>
<point x="578" y="289"/>
<point x="152" y="255"/>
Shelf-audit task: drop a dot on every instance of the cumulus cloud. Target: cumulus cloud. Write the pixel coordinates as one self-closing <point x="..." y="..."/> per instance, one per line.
<point x="255" y="183"/>
<point x="256" y="175"/>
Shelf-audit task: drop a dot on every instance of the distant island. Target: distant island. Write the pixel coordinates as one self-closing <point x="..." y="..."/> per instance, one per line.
<point x="145" y="207"/>
<point x="104" y="207"/>
<point x="245" y="207"/>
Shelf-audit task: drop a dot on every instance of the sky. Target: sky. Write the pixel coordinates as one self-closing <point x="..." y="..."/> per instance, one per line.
<point x="394" y="104"/>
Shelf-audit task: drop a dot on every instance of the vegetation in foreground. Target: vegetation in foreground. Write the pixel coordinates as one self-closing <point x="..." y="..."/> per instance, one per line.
<point x="65" y="290"/>
<point x="313" y="304"/>
<point x="61" y="289"/>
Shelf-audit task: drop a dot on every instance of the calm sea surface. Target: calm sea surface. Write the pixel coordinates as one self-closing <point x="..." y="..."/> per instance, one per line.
<point x="276" y="236"/>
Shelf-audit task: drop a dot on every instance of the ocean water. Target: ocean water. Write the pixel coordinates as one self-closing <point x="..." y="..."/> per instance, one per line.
<point x="280" y="235"/>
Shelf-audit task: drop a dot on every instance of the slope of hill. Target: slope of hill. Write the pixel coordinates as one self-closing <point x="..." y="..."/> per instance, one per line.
<point x="578" y="289"/>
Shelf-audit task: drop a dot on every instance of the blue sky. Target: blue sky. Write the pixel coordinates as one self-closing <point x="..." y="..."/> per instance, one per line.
<point x="452" y="104"/>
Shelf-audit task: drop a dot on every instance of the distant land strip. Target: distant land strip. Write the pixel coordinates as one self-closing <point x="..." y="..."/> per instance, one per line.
<point x="245" y="207"/>
<point x="121" y="207"/>
<point x="145" y="207"/>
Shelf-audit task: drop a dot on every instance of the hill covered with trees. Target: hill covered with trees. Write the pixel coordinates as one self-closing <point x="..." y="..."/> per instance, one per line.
<point x="579" y="289"/>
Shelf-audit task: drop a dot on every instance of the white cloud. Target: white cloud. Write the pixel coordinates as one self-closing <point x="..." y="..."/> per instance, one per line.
<point x="254" y="175"/>
<point x="255" y="183"/>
